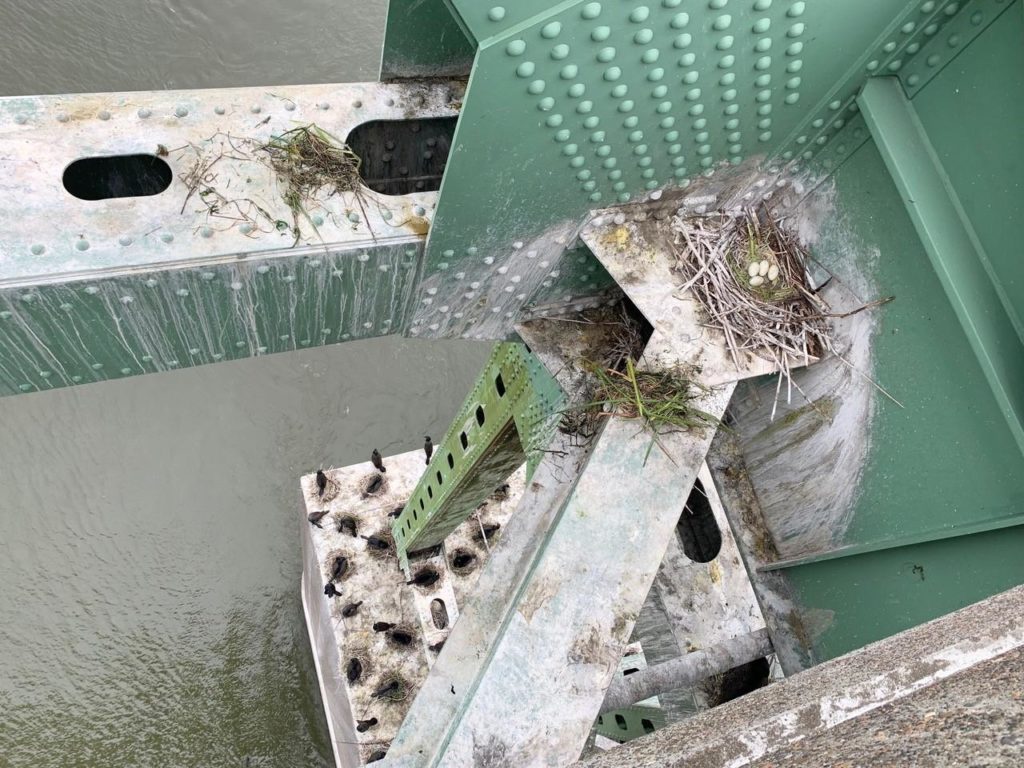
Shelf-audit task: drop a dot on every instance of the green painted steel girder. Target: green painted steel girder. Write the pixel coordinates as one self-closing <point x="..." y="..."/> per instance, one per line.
<point x="510" y="415"/>
<point x="630" y="723"/>
<point x="577" y="105"/>
<point x="423" y="39"/>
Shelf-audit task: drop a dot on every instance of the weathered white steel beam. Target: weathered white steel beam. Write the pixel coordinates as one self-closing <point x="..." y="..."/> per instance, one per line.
<point x="531" y="679"/>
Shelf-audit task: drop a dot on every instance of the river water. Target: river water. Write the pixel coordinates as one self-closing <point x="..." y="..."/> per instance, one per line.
<point x="149" y="550"/>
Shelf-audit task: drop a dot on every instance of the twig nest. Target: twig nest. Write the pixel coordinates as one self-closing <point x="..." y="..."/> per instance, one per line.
<point x="773" y="272"/>
<point x="756" y="280"/>
<point x="763" y="267"/>
<point x="754" y="269"/>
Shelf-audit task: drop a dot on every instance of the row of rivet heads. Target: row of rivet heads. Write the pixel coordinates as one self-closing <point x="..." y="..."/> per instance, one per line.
<point x="513" y="284"/>
<point x="888" y="59"/>
<point x="383" y="97"/>
<point x="421" y="209"/>
<point x="527" y="68"/>
<point x="963" y="27"/>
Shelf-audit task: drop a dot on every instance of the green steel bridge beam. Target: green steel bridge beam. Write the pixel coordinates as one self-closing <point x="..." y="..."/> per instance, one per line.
<point x="510" y="416"/>
<point x="993" y="329"/>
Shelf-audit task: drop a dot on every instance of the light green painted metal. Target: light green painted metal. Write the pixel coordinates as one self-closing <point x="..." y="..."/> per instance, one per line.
<point x="116" y="324"/>
<point x="423" y="39"/>
<point x="989" y="179"/>
<point x="630" y="723"/>
<point x="951" y="243"/>
<point x="937" y="522"/>
<point x="510" y="415"/>
<point x="576" y="105"/>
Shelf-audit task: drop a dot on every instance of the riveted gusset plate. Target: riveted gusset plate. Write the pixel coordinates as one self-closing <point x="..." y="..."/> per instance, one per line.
<point x="423" y="39"/>
<point x="112" y="325"/>
<point x="583" y="104"/>
<point x="510" y="415"/>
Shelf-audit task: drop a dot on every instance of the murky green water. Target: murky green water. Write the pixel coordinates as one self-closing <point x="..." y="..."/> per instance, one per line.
<point x="150" y="603"/>
<point x="149" y="552"/>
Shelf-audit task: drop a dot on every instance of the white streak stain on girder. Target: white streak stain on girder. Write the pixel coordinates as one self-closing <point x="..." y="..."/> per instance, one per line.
<point x="807" y="464"/>
<point x="147" y="320"/>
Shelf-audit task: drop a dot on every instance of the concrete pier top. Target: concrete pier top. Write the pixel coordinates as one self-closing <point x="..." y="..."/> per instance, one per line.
<point x="375" y="643"/>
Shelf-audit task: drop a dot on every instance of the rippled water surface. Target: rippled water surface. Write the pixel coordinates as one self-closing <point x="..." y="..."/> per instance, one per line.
<point x="150" y="611"/>
<point x="66" y="46"/>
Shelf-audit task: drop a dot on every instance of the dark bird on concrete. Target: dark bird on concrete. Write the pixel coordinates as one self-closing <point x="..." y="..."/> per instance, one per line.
<point x="428" y="447"/>
<point x="387" y="690"/>
<point x="378" y="461"/>
<point x="500" y="493"/>
<point x="347" y="524"/>
<point x="353" y="670"/>
<point x="340" y="567"/>
<point x="351" y="609"/>
<point x="364" y="725"/>
<point x="401" y="637"/>
<point x="382" y="626"/>
<point x="321" y="482"/>
<point x="425" y="578"/>
<point x="316" y="517"/>
<point x="489" y="529"/>
<point x="380" y="754"/>
<point x="397" y="511"/>
<point x="463" y="559"/>
<point x="377" y="542"/>
<point x="331" y="591"/>
<point x="436" y="647"/>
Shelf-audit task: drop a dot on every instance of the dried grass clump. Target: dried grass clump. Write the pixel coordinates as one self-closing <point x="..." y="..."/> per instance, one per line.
<point x="663" y="400"/>
<point x="307" y="160"/>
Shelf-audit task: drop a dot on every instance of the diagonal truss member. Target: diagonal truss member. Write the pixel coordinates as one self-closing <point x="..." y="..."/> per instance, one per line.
<point x="510" y="415"/>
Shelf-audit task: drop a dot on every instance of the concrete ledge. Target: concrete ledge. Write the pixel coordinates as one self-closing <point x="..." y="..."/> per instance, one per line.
<point x="812" y="702"/>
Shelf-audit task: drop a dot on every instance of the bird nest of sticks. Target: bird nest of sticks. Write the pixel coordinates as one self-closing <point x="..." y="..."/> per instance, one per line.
<point x="749" y="276"/>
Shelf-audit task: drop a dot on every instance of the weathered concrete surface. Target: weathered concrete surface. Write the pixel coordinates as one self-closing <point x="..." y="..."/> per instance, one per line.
<point x="771" y="719"/>
<point x="975" y="718"/>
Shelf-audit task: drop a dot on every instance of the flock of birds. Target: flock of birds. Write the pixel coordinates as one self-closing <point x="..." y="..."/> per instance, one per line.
<point x="390" y="688"/>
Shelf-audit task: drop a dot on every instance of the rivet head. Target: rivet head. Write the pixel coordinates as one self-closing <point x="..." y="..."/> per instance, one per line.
<point x="82" y="245"/>
<point x="38" y="250"/>
<point x="103" y="115"/>
<point x="181" y="111"/>
<point x="62" y="117"/>
<point x="526" y="69"/>
<point x="516" y="48"/>
<point x="255" y="109"/>
<point x="591" y="11"/>
<point x="167" y="237"/>
<point x="206" y="232"/>
<point x="680" y="20"/>
<point x="497" y="13"/>
<point x="220" y="110"/>
<point x="124" y="240"/>
<point x="551" y="31"/>
<point x="639" y="14"/>
<point x="600" y="34"/>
